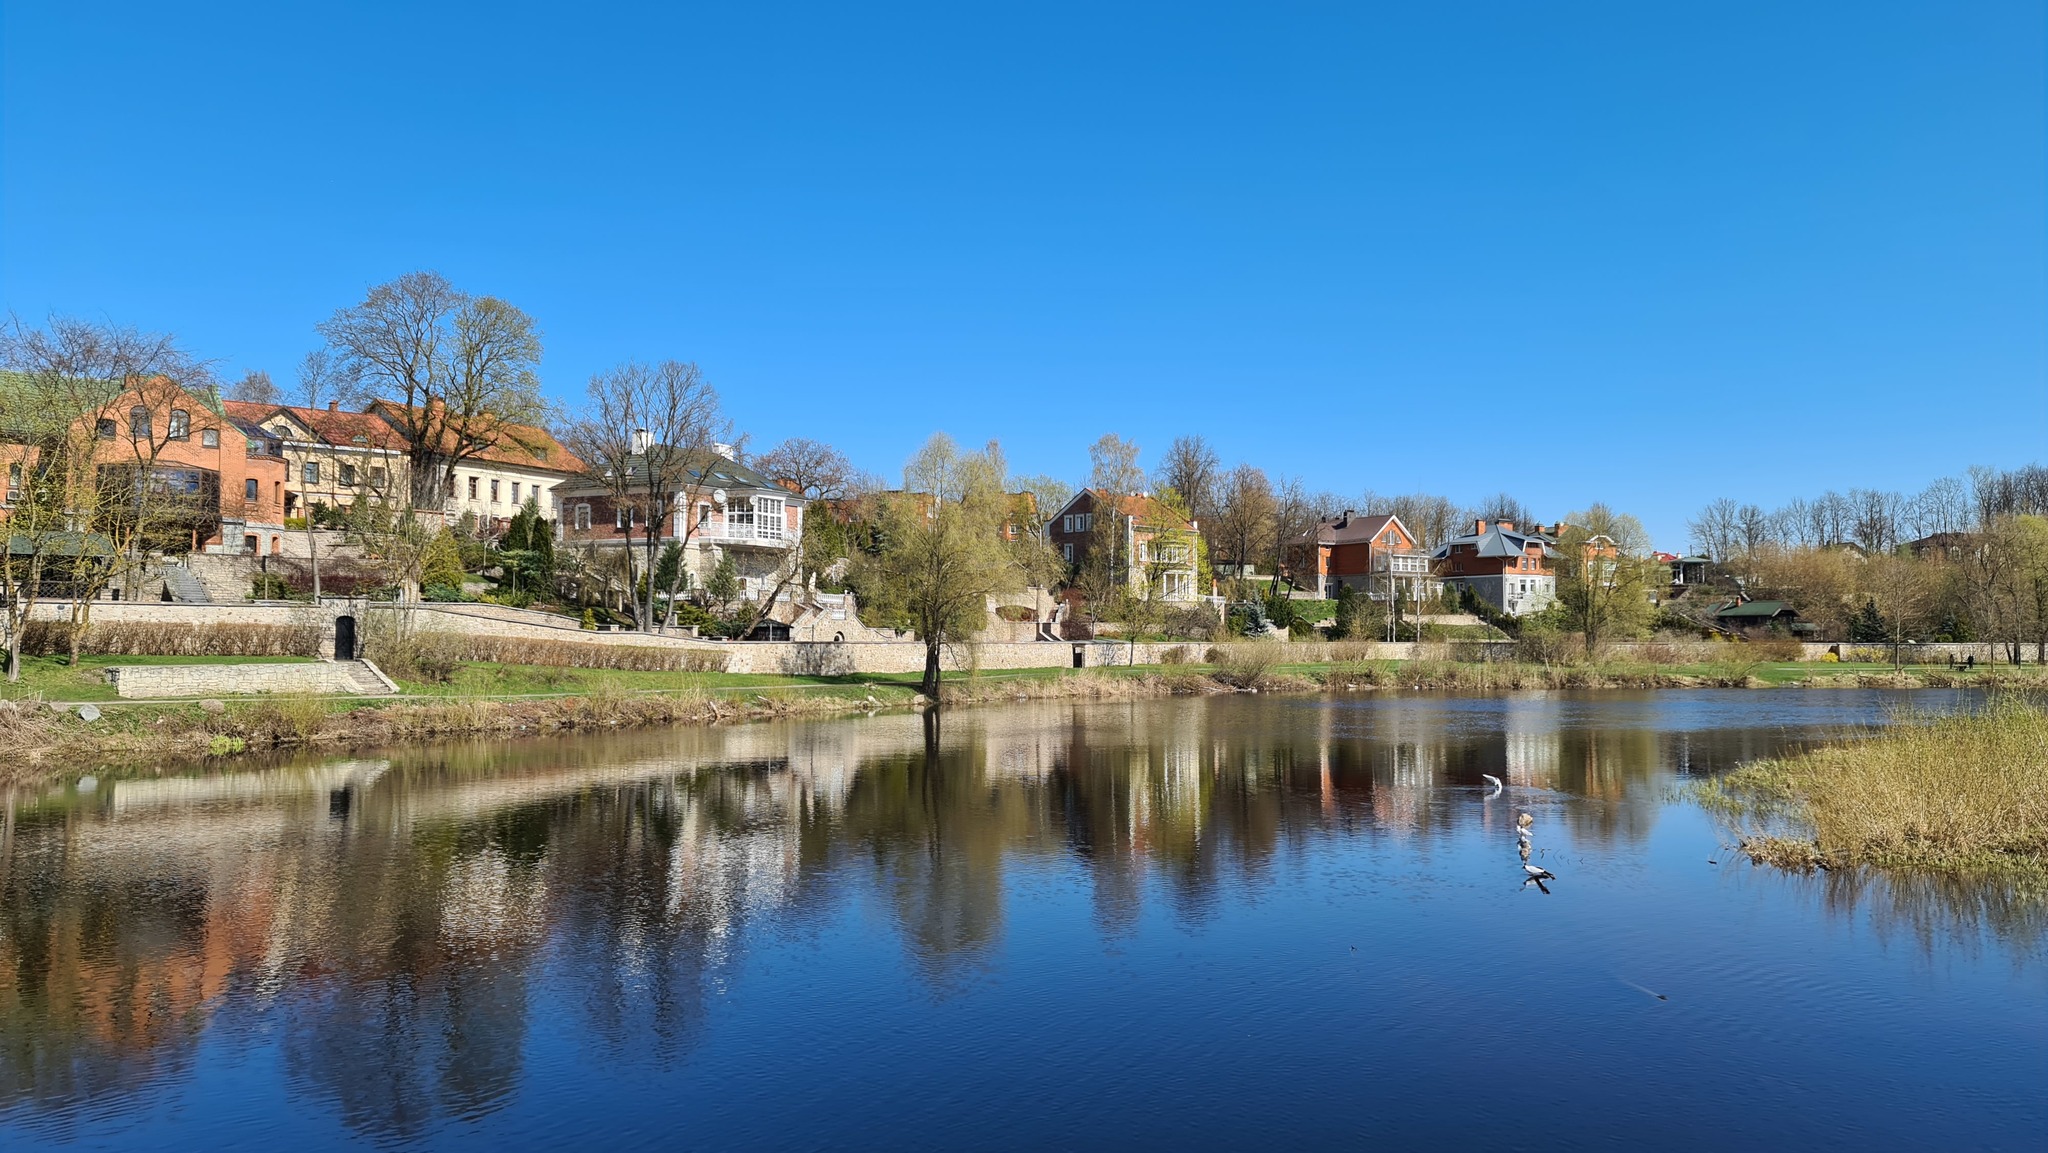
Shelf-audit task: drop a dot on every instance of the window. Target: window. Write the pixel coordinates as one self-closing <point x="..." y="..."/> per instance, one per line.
<point x="210" y="438"/>
<point x="104" y="428"/>
<point x="348" y="475"/>
<point x="249" y="544"/>
<point x="515" y="492"/>
<point x="494" y="492"/>
<point x="181" y="425"/>
<point x="379" y="477"/>
<point x="583" y="516"/>
<point x="1067" y="552"/>
<point x="703" y="514"/>
<point x="622" y="517"/>
<point x="472" y="488"/>
<point x="310" y="474"/>
<point x="139" y="424"/>
<point x="251" y="489"/>
<point x="769" y="522"/>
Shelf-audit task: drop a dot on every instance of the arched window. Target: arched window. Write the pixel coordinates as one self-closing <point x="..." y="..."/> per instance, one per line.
<point x="138" y="423"/>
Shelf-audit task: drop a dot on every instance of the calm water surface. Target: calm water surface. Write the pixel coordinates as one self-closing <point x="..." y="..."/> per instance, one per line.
<point x="1200" y="924"/>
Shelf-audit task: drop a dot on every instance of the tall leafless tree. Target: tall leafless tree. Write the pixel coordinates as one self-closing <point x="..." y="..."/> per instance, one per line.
<point x="459" y="371"/>
<point x="651" y="436"/>
<point x="1190" y="469"/>
<point x="811" y="468"/>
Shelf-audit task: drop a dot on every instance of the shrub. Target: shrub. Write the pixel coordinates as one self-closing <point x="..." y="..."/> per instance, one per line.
<point x="1247" y="666"/>
<point x="1777" y="649"/>
<point x="176" y="639"/>
<point x="1829" y="658"/>
<point x="1177" y="655"/>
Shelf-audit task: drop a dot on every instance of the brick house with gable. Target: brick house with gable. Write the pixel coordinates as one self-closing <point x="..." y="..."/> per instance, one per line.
<point x="1374" y="554"/>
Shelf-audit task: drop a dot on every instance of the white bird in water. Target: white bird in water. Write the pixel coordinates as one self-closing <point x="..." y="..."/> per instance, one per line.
<point x="1495" y="782"/>
<point x="1539" y="873"/>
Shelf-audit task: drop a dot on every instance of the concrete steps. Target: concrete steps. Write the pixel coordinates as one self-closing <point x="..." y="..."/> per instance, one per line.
<point x="366" y="678"/>
<point x="185" y="588"/>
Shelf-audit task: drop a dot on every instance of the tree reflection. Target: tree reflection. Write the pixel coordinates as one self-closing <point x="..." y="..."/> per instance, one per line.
<point x="402" y="940"/>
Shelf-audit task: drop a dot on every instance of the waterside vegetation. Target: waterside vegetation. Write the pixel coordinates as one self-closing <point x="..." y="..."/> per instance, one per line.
<point x="1957" y="793"/>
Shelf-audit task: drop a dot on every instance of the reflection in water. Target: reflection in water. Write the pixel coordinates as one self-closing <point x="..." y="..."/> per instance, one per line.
<point x="390" y="922"/>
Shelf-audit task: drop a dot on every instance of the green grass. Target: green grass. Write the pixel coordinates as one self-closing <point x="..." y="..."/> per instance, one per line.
<point x="55" y="679"/>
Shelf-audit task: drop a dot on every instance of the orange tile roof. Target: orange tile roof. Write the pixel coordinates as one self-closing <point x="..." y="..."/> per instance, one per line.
<point x="519" y="445"/>
<point x="332" y="426"/>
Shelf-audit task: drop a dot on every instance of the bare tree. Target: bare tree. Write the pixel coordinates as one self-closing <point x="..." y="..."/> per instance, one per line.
<point x="811" y="468"/>
<point x="1794" y="522"/>
<point x="1714" y="530"/>
<point x="97" y="464"/>
<point x="1503" y="506"/>
<point x="460" y="368"/>
<point x="1874" y="520"/>
<point x="1190" y="469"/>
<point x="652" y="437"/>
<point x="323" y="376"/>
<point x="1433" y="519"/>
<point x="255" y="387"/>
<point x="1245" y="514"/>
<point x="1049" y="493"/>
<point x="1942" y="507"/>
<point x="1294" y="513"/>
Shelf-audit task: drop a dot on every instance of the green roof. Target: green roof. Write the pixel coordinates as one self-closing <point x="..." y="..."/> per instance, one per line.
<point x="61" y="544"/>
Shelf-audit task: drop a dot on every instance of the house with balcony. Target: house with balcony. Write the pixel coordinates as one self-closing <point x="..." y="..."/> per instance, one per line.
<point x="1376" y="555"/>
<point x="1155" y="545"/>
<point x="1510" y="569"/>
<point x="720" y="508"/>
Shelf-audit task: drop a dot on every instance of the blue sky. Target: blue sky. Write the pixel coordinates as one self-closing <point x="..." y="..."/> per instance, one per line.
<point x="1650" y="254"/>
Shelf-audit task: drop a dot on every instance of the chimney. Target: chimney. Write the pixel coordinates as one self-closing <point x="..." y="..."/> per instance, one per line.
<point x="722" y="449"/>
<point x="1507" y="526"/>
<point x="1479" y="526"/>
<point x="334" y="406"/>
<point x="640" y="442"/>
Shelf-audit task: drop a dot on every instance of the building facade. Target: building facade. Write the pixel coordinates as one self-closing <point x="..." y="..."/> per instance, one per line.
<point x="1509" y="569"/>
<point x="1156" y="546"/>
<point x="1376" y="555"/>
<point x="721" y="508"/>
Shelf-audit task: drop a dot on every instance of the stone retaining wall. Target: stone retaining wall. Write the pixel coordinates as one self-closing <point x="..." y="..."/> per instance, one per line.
<point x="149" y="681"/>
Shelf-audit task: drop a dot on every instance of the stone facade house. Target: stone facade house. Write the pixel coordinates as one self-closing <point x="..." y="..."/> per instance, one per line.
<point x="524" y="462"/>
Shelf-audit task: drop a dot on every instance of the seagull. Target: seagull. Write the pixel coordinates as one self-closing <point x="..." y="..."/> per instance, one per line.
<point x="1539" y="873"/>
<point x="1495" y="782"/>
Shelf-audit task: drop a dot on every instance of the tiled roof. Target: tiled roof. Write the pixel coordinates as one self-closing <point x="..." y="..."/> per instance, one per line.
<point x="330" y="426"/>
<point x="1149" y="510"/>
<point x="518" y="445"/>
<point x="1496" y="542"/>
<point x="1336" y="530"/>
<point x="714" y="472"/>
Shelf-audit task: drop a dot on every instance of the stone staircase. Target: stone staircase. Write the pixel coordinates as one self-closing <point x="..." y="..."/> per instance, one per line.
<point x="185" y="588"/>
<point x="366" y="678"/>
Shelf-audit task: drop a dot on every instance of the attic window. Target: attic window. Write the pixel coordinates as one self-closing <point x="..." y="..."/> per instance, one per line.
<point x="209" y="437"/>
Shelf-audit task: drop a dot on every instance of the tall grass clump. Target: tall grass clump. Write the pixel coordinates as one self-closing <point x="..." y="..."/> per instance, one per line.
<point x="1959" y="792"/>
<point x="1244" y="666"/>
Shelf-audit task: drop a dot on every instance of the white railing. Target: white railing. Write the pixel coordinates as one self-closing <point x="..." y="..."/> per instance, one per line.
<point x="771" y="535"/>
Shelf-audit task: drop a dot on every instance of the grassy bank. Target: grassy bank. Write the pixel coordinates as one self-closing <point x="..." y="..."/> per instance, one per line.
<point x="483" y="698"/>
<point x="1957" y="793"/>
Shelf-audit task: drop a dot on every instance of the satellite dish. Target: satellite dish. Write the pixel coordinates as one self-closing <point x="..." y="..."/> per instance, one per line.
<point x="718" y="494"/>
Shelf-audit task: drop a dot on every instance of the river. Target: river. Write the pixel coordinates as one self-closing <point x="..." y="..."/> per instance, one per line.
<point x="1201" y="923"/>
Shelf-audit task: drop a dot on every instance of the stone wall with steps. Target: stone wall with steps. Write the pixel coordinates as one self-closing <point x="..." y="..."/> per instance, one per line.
<point x="229" y="680"/>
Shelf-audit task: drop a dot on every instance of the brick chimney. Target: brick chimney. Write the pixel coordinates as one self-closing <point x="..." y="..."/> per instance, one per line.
<point x="1507" y="526"/>
<point x="1479" y="526"/>
<point x="334" y="406"/>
